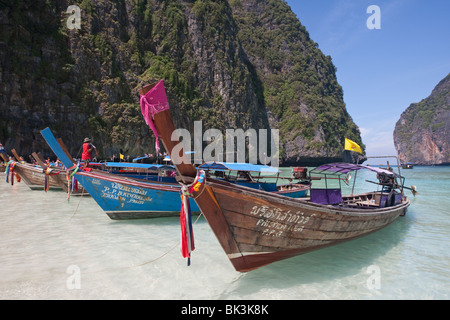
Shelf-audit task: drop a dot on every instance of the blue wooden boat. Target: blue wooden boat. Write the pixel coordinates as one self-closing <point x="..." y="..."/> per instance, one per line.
<point x="122" y="197"/>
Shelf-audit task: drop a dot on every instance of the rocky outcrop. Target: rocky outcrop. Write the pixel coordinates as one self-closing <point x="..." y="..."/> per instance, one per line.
<point x="213" y="55"/>
<point x="422" y="134"/>
<point x="301" y="92"/>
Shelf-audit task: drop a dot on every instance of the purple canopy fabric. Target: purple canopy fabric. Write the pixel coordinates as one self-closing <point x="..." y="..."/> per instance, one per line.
<point x="344" y="168"/>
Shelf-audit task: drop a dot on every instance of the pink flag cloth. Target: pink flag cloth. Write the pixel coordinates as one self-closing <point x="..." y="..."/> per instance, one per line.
<point x="153" y="102"/>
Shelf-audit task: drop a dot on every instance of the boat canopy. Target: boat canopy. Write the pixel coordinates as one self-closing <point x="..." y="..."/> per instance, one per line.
<point x="148" y="166"/>
<point x="344" y="168"/>
<point x="140" y="158"/>
<point x="224" y="166"/>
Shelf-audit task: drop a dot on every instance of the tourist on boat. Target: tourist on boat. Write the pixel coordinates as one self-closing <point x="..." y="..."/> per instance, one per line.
<point x="88" y="148"/>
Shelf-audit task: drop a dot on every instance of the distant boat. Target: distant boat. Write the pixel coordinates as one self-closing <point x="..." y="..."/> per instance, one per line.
<point x="407" y="165"/>
<point x="255" y="227"/>
<point x="35" y="177"/>
<point x="39" y="176"/>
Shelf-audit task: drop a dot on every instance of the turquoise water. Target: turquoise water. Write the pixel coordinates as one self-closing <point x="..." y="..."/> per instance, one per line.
<point x="54" y="249"/>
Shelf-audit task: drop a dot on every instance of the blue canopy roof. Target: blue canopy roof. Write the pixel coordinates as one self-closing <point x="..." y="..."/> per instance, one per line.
<point x="140" y="158"/>
<point x="149" y="166"/>
<point x="223" y="166"/>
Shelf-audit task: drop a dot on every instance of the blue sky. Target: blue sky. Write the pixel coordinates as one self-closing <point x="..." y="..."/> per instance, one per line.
<point x="382" y="71"/>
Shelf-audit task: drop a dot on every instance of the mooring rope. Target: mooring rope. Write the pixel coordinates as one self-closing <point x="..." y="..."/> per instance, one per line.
<point x="195" y="186"/>
<point x="78" y="205"/>
<point x="146" y="262"/>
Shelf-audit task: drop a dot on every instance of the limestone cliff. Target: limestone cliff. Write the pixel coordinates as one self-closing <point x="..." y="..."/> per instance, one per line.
<point x="84" y="82"/>
<point x="301" y="92"/>
<point x="422" y="134"/>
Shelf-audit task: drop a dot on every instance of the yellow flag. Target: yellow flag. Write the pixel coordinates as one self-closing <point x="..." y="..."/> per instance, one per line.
<point x="121" y="156"/>
<point x="352" y="146"/>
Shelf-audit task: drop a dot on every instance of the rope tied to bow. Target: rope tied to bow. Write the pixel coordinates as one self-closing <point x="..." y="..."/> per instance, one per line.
<point x="187" y="234"/>
<point x="10" y="174"/>
<point x="49" y="172"/>
<point x="72" y="182"/>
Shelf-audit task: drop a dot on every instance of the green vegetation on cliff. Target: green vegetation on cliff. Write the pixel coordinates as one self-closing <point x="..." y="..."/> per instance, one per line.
<point x="300" y="85"/>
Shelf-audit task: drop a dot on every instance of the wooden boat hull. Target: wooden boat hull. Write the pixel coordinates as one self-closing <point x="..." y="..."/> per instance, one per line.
<point x="34" y="177"/>
<point x="123" y="198"/>
<point x="262" y="228"/>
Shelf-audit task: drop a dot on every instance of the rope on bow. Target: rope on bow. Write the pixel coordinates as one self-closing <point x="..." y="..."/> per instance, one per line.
<point x="72" y="182"/>
<point x="187" y="234"/>
<point x="49" y="172"/>
<point x="10" y="170"/>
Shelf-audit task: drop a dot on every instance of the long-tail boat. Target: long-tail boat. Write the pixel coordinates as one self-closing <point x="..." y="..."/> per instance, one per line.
<point x="37" y="177"/>
<point x="119" y="196"/>
<point x="256" y="228"/>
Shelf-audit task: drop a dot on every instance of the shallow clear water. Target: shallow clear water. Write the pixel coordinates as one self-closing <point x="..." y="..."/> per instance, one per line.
<point x="54" y="249"/>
